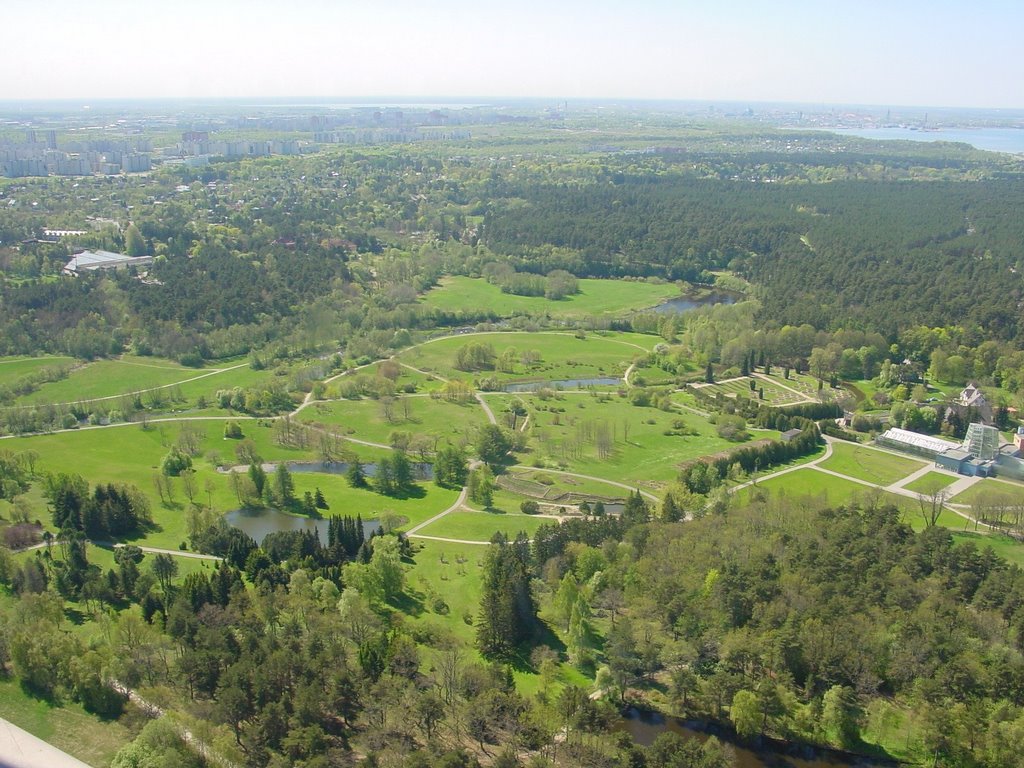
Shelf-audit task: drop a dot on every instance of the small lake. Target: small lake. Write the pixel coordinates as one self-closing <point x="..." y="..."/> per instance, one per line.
<point x="646" y="725"/>
<point x="533" y="386"/>
<point x="260" y="522"/>
<point x="686" y="303"/>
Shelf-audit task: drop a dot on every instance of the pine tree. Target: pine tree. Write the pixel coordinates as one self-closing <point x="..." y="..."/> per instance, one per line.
<point x="401" y="469"/>
<point x="670" y="512"/>
<point x="508" y="612"/>
<point x="635" y="510"/>
<point x="709" y="374"/>
<point x="384" y="481"/>
<point x="319" y="501"/>
<point x="283" y="484"/>
<point x="355" y="476"/>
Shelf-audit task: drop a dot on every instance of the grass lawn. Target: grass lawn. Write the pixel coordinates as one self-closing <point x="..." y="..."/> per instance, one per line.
<point x="596" y="297"/>
<point x="452" y="572"/>
<point x="930" y="483"/>
<point x="14" y="368"/>
<point x="68" y="727"/>
<point x="406" y="377"/>
<point x="559" y="356"/>
<point x="171" y="385"/>
<point x="105" y="378"/>
<point x="366" y="419"/>
<point x="345" y="500"/>
<point x="990" y="488"/>
<point x="481" y="526"/>
<point x="868" y="464"/>
<point x="808" y="482"/>
<point x="130" y="454"/>
<point x="564" y="434"/>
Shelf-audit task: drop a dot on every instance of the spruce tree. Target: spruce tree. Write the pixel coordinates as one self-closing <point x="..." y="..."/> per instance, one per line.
<point x="355" y="476"/>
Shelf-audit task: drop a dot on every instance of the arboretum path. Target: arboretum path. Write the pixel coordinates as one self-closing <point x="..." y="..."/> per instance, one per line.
<point x="959" y="485"/>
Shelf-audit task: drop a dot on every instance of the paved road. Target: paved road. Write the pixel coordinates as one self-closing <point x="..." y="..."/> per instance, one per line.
<point x="20" y="749"/>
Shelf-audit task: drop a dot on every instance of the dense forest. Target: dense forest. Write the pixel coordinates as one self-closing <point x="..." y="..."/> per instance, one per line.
<point x="872" y="255"/>
<point x="801" y="622"/>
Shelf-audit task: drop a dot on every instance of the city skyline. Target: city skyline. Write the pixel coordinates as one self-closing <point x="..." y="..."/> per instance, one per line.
<point x="916" y="54"/>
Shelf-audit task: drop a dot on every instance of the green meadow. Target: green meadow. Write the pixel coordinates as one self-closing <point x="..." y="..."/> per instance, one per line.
<point x="990" y="488"/>
<point x="596" y="298"/>
<point x="131" y="454"/>
<point x="930" y="483"/>
<point x="645" y="445"/>
<point x="14" y="368"/>
<point x="376" y="420"/>
<point x="109" y="378"/>
<point x="555" y="356"/>
<point x="863" y="463"/>
<point x="480" y="525"/>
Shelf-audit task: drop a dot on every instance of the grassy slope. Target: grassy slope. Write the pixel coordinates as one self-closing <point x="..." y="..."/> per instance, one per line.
<point x="13" y="368"/>
<point x="68" y="726"/>
<point x="103" y="378"/>
<point x="596" y="297"/>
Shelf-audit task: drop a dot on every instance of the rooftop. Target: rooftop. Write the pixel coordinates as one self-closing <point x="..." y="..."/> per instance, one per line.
<point x="923" y="442"/>
<point x="102" y="260"/>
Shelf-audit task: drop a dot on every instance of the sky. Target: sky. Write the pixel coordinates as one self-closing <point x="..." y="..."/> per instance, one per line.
<point x="898" y="52"/>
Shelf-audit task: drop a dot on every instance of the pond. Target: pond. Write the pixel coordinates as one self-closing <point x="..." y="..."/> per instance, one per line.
<point x="686" y="303"/>
<point x="260" y="522"/>
<point x="646" y="725"/>
<point x="533" y="386"/>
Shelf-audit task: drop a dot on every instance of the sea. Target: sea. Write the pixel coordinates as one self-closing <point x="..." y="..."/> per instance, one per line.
<point x="1009" y="140"/>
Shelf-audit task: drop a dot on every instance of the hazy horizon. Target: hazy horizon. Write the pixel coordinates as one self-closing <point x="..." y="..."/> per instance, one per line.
<point x="799" y="52"/>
